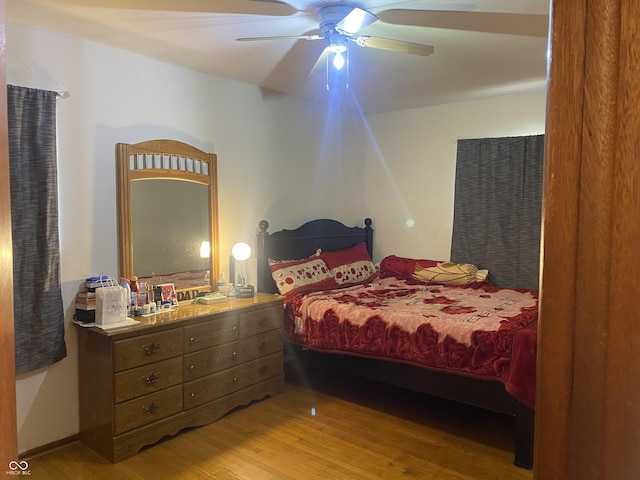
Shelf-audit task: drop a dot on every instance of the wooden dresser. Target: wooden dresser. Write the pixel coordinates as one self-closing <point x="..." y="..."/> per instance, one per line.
<point x="182" y="368"/>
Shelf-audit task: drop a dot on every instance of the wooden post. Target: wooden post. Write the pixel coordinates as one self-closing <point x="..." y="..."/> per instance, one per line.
<point x="588" y="405"/>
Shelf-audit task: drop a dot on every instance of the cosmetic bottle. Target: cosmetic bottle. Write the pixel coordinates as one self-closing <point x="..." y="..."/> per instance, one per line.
<point x="222" y="283"/>
<point x="150" y="295"/>
<point x="124" y="283"/>
<point x="150" y="299"/>
<point x="157" y="294"/>
<point x="142" y="294"/>
<point x="134" y="303"/>
<point x="133" y="283"/>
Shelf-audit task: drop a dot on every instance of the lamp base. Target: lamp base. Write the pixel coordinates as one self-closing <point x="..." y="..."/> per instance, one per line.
<point x="244" y="291"/>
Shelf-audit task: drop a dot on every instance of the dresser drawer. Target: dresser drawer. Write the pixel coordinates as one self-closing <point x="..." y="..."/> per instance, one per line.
<point x="210" y="360"/>
<point x="147" y="379"/>
<point x="258" y="321"/>
<point x="147" y="349"/>
<point x="209" y="334"/>
<point x="147" y="409"/>
<point x="259" y="370"/>
<point x="210" y="388"/>
<point x="260" y="345"/>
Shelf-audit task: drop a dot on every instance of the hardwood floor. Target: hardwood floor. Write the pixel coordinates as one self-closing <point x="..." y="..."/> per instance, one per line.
<point x="322" y="427"/>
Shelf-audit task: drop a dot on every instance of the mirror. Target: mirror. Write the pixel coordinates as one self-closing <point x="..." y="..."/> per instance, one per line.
<point x="167" y="215"/>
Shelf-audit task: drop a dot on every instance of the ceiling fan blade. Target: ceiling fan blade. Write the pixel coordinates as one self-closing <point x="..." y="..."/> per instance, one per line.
<point x="356" y="20"/>
<point x="246" y="7"/>
<point x="442" y="5"/>
<point x="394" y="45"/>
<point x="320" y="63"/>
<point x="508" y="23"/>
<point x="281" y="37"/>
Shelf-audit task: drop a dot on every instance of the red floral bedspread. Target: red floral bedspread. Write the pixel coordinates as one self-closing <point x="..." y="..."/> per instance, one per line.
<point x="478" y="330"/>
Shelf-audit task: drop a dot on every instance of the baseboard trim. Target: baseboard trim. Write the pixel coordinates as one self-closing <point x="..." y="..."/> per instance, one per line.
<point x="49" y="447"/>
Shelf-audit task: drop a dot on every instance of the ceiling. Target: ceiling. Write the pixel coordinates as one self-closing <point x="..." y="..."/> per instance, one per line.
<point x="481" y="47"/>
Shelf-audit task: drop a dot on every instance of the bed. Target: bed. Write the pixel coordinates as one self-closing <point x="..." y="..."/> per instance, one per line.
<point x="455" y="337"/>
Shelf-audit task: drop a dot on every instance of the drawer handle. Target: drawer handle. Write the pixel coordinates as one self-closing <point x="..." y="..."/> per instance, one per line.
<point x="263" y="345"/>
<point x="225" y="358"/>
<point x="263" y="369"/>
<point x="151" y="378"/>
<point x="235" y="379"/>
<point x="263" y="321"/>
<point x="151" y="348"/>
<point x="213" y="335"/>
<point x="152" y="407"/>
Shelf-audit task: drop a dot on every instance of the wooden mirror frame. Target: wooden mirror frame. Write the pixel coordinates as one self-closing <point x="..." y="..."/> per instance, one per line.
<point x="169" y="160"/>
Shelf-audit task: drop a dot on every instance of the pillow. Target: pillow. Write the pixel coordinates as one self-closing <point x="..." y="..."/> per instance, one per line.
<point x="350" y="266"/>
<point x="450" y="273"/>
<point x="300" y="276"/>
<point x="402" y="267"/>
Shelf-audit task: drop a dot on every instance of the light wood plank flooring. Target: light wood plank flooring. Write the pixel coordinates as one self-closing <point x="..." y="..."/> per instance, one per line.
<point x="322" y="427"/>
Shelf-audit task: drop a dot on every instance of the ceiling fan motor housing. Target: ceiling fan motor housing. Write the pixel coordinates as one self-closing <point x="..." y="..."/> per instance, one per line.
<point x="329" y="16"/>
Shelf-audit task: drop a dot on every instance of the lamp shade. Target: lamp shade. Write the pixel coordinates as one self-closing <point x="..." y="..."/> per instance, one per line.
<point x="241" y="251"/>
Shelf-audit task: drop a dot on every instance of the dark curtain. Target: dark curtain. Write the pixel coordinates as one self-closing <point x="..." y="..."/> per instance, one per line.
<point x="38" y="310"/>
<point x="498" y="207"/>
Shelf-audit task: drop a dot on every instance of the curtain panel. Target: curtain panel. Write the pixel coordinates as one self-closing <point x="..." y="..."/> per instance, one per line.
<point x="498" y="208"/>
<point x="38" y="309"/>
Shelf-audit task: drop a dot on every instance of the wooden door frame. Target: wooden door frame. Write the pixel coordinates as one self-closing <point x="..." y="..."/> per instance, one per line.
<point x="8" y="422"/>
<point x="587" y="410"/>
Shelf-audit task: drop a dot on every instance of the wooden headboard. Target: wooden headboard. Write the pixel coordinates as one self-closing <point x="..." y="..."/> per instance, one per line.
<point x="303" y="241"/>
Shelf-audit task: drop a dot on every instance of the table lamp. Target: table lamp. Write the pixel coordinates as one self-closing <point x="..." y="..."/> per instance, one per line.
<point x="241" y="252"/>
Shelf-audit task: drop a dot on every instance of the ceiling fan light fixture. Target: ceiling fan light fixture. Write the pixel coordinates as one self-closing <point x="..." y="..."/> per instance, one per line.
<point x="337" y="48"/>
<point x="337" y="70"/>
<point x="337" y="43"/>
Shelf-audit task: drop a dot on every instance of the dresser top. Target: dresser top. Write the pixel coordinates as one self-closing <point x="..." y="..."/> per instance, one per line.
<point x="188" y="311"/>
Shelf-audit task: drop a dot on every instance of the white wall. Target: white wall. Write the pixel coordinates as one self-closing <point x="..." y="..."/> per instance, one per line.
<point x="263" y="141"/>
<point x="411" y="161"/>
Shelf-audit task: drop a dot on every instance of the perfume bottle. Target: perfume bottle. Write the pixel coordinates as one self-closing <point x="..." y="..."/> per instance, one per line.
<point x="142" y="294"/>
<point x="223" y="286"/>
<point x="133" y="284"/>
<point x="150" y="294"/>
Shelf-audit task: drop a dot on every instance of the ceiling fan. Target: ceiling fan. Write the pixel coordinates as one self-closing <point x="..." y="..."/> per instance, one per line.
<point x="332" y="21"/>
<point x="341" y="25"/>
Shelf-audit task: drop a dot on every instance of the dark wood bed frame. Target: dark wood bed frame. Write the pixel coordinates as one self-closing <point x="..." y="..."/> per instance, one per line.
<point x="333" y="235"/>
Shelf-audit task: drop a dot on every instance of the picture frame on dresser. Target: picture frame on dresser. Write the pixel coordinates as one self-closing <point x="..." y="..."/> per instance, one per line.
<point x="168" y="294"/>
